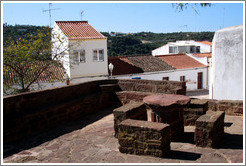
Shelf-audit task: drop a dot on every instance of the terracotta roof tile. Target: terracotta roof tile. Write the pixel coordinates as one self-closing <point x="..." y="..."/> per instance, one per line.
<point x="205" y="42"/>
<point x="149" y="63"/>
<point x="180" y="61"/>
<point x="137" y="64"/>
<point x="79" y="30"/>
<point x="209" y="55"/>
<point x="123" y="66"/>
<point x="52" y="73"/>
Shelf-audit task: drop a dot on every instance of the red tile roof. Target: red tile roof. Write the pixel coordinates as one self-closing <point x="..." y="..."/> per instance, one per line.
<point x="137" y="64"/>
<point x="180" y="61"/>
<point x="52" y="73"/>
<point x="79" y="30"/>
<point x="209" y="55"/>
<point x="205" y="42"/>
<point x="123" y="66"/>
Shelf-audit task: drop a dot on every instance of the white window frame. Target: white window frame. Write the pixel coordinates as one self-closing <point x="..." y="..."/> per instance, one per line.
<point x="97" y="55"/>
<point x="77" y="56"/>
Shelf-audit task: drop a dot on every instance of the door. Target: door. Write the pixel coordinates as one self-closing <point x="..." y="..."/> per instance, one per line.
<point x="199" y="80"/>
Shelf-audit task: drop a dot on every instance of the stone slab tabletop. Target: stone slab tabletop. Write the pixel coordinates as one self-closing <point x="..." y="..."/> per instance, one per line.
<point x="165" y="100"/>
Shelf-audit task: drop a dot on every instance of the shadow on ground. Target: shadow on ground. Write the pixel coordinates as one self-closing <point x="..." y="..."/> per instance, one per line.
<point x="179" y="155"/>
<point x="230" y="141"/>
<point x="38" y="138"/>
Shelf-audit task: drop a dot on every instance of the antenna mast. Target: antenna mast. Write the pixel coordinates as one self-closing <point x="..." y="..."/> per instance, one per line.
<point x="81" y="13"/>
<point x="49" y="10"/>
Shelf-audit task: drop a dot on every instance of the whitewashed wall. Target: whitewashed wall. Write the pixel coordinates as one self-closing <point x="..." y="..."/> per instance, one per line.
<point x="161" y="50"/>
<point x="60" y="46"/>
<point x="174" y="75"/>
<point x="204" y="48"/>
<point x="227" y="82"/>
<point x="90" y="67"/>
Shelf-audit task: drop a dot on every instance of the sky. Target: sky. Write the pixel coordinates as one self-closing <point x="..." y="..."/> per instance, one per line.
<point x="160" y="17"/>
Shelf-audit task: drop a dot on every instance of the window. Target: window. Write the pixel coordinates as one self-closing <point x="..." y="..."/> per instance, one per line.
<point x="173" y="49"/>
<point x="182" y="78"/>
<point x="198" y="49"/>
<point x="165" y="78"/>
<point x="98" y="55"/>
<point x="78" y="56"/>
<point x="192" y="49"/>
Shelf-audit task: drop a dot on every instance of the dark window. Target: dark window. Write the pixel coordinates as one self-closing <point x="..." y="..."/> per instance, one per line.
<point x="182" y="78"/>
<point x="165" y="78"/>
<point x="198" y="49"/>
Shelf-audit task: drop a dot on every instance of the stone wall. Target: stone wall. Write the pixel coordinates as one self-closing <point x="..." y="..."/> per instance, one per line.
<point x="144" y="138"/>
<point x="35" y="111"/>
<point x="230" y="107"/>
<point x="153" y="86"/>
<point x="136" y="90"/>
<point x="30" y="112"/>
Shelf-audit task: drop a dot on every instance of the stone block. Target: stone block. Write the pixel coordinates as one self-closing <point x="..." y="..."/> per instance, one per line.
<point x="194" y="110"/>
<point x="209" y="129"/>
<point x="144" y="138"/>
<point x="132" y="110"/>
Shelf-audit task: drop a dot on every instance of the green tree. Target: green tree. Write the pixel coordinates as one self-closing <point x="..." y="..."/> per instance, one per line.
<point x="29" y="58"/>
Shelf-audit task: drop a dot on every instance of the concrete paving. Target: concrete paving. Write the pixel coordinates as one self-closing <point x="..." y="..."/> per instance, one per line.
<point x="91" y="140"/>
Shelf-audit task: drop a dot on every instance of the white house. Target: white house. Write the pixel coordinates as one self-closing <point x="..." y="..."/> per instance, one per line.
<point x="82" y="50"/>
<point x="227" y="76"/>
<point x="185" y="46"/>
<point x="175" y="67"/>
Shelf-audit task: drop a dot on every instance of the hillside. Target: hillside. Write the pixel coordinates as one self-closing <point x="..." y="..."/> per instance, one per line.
<point x="119" y="44"/>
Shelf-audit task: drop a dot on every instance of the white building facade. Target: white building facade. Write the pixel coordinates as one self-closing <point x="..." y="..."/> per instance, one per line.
<point x="227" y="76"/>
<point x="82" y="50"/>
<point x="186" y="46"/>
<point x="188" y="75"/>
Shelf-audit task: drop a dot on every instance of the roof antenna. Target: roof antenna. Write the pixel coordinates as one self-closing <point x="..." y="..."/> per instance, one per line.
<point x="81" y="14"/>
<point x="49" y="10"/>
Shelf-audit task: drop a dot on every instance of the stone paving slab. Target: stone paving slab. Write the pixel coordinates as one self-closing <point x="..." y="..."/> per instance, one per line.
<point x="90" y="141"/>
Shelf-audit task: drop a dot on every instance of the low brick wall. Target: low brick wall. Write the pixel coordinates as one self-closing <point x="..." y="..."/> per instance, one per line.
<point x="230" y="107"/>
<point x="144" y="138"/>
<point x="153" y="86"/>
<point x="31" y="112"/>
<point x="209" y="129"/>
<point x="133" y="110"/>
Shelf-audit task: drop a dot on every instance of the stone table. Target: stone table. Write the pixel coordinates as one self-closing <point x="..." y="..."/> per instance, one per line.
<point x="168" y="108"/>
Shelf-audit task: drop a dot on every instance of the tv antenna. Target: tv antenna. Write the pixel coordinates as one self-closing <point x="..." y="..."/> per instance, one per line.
<point x="81" y="14"/>
<point x="49" y="10"/>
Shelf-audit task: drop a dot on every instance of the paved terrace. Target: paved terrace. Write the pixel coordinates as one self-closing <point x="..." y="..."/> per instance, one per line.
<point x="91" y="140"/>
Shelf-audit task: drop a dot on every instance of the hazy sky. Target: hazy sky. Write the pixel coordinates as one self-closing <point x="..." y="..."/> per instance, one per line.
<point x="127" y="17"/>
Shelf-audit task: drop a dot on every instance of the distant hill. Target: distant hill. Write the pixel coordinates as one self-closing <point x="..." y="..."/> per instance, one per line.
<point x="118" y="43"/>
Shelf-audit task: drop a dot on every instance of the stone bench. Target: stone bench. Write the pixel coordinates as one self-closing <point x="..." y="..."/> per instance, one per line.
<point x="194" y="110"/>
<point x="132" y="110"/>
<point x="209" y="129"/>
<point x="144" y="138"/>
